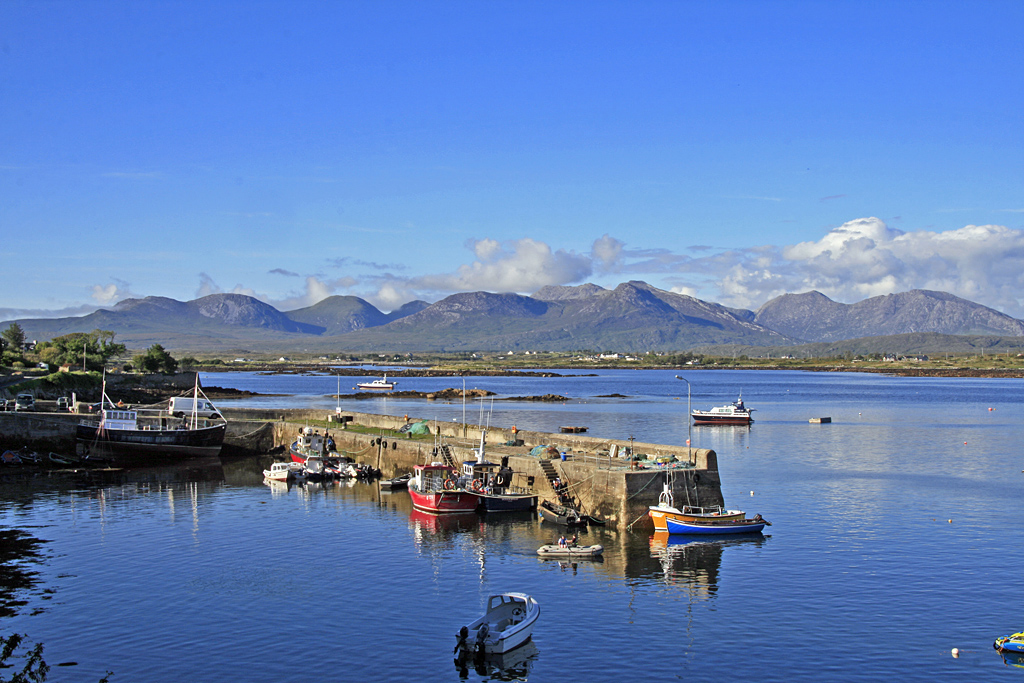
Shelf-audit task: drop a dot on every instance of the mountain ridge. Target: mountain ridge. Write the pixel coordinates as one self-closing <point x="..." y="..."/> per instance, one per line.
<point x="632" y="317"/>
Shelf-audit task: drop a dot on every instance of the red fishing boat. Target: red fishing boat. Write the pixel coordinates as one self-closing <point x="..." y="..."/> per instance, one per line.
<point x="433" y="488"/>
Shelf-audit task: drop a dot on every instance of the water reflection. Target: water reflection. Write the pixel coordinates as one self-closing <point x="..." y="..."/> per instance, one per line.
<point x="509" y="666"/>
<point x="690" y="561"/>
<point x="1014" y="659"/>
<point x="18" y="550"/>
<point x="433" y="527"/>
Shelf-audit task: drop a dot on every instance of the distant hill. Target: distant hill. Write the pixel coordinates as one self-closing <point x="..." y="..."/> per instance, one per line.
<point x="339" y="314"/>
<point x="814" y="317"/>
<point x="633" y="317"/>
<point x="342" y="314"/>
<point x="142" y="322"/>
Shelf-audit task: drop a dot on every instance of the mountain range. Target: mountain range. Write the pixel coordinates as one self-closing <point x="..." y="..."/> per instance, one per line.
<point x="632" y="317"/>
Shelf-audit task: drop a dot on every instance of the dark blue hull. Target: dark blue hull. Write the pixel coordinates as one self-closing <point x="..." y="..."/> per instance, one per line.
<point x="151" y="444"/>
<point x="714" y="528"/>
<point x="507" y="503"/>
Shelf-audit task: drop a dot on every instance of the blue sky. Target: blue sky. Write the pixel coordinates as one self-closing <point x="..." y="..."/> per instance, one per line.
<point x="732" y="151"/>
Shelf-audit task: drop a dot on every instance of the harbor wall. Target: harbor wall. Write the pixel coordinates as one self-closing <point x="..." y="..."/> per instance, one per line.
<point x="605" y="485"/>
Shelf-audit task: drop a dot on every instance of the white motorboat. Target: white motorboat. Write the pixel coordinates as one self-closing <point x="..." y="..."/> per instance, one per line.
<point x="507" y="624"/>
<point x="734" y="414"/>
<point x="279" y="471"/>
<point x="377" y="384"/>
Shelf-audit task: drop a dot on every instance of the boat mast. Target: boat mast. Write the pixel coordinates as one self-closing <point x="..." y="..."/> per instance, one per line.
<point x="195" y="404"/>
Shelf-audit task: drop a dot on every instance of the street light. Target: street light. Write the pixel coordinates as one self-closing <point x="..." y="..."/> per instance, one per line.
<point x="689" y="421"/>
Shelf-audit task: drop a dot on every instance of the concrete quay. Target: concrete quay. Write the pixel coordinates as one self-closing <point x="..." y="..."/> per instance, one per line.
<point x="605" y="486"/>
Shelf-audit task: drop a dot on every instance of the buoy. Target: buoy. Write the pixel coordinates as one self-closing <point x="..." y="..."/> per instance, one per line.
<point x="751" y="493"/>
<point x="991" y="409"/>
<point x="965" y="443"/>
<point x="955" y="652"/>
<point x="950" y="521"/>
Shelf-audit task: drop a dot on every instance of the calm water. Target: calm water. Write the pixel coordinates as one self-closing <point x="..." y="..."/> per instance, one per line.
<point x="207" y="574"/>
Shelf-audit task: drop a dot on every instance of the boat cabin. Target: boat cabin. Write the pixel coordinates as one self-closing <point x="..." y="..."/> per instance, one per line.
<point x="431" y="477"/>
<point x="486" y="475"/>
<point x="119" y="419"/>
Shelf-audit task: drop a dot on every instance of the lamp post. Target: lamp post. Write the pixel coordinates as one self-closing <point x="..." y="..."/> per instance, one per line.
<point x="689" y="421"/>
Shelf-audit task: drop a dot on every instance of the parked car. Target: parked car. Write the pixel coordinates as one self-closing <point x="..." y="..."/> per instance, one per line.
<point x="63" y="405"/>
<point x="25" y="402"/>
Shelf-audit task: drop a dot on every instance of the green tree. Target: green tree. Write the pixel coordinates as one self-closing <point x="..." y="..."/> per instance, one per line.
<point x="91" y="349"/>
<point x="155" y="359"/>
<point x="14" y="338"/>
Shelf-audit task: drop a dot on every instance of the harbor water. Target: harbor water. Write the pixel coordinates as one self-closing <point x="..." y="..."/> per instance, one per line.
<point x="894" y="540"/>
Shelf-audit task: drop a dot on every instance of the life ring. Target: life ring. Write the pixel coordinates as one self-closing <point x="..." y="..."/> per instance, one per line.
<point x="477" y="483"/>
<point x="518" y="612"/>
<point x="449" y="484"/>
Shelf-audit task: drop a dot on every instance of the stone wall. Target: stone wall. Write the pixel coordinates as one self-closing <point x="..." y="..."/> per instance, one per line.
<point x="605" y="486"/>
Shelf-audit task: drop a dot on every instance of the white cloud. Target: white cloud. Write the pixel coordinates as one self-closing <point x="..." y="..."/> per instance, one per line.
<point x="523" y="265"/>
<point x="314" y="291"/>
<point x="110" y="294"/>
<point x="207" y="286"/>
<point x="865" y="257"/>
<point x="607" y="253"/>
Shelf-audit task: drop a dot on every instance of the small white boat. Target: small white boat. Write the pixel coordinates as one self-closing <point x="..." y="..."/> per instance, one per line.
<point x="279" y="471"/>
<point x="734" y="414"/>
<point x="285" y="471"/>
<point x="570" y="551"/>
<point x="378" y="384"/>
<point x="507" y="624"/>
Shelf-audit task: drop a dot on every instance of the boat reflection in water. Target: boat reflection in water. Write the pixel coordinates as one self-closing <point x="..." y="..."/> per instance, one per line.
<point x="694" y="561"/>
<point x="446" y="523"/>
<point x="514" y="665"/>
<point x="1014" y="659"/>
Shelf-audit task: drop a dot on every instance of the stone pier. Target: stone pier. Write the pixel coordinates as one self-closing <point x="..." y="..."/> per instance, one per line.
<point x="605" y="484"/>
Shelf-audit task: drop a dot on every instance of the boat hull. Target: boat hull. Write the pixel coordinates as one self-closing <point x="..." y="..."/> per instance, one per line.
<point x="699" y="419"/>
<point x="561" y="515"/>
<point x="660" y="515"/>
<point x="507" y="503"/>
<point x="151" y="444"/>
<point x="571" y="551"/>
<point x="1012" y="643"/>
<point x="715" y="528"/>
<point x="444" y="501"/>
<point x="509" y="622"/>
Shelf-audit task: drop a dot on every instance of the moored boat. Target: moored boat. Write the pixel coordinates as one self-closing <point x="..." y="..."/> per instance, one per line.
<point x="433" y="488"/>
<point x="734" y="414"/>
<point x="561" y="514"/>
<point x="377" y="385"/>
<point x="665" y="510"/>
<point x="311" y="443"/>
<point x="395" y="483"/>
<point x="493" y="484"/>
<point x="134" y="434"/>
<point x="732" y="526"/>
<point x="507" y="624"/>
<point x="280" y="471"/>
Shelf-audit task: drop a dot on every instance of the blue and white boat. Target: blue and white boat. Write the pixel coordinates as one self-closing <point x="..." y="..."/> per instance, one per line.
<point x="1011" y="643"/>
<point x="507" y="624"/>
<point x="717" y="527"/>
